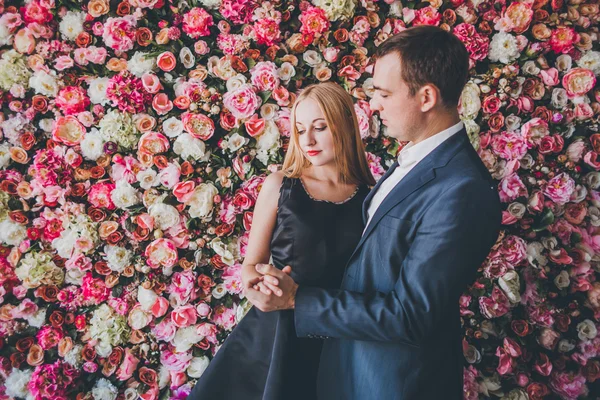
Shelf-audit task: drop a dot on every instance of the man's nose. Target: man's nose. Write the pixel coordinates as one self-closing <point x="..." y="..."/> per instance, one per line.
<point x="374" y="104"/>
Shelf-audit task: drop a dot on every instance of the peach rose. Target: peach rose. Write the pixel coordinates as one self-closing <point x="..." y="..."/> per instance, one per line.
<point x="153" y="143"/>
<point x="162" y="104"/>
<point x="68" y="130"/>
<point x="166" y="61"/>
<point x="578" y="82"/>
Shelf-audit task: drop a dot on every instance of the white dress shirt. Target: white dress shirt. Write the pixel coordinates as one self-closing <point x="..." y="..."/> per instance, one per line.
<point x="408" y="158"/>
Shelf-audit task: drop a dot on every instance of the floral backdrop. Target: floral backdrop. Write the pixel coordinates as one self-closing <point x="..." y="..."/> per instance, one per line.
<point x="135" y="136"/>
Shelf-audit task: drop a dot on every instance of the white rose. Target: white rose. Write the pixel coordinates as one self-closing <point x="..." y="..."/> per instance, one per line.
<point x="103" y="348"/>
<point x="211" y="3"/>
<point x="559" y="98"/>
<point x="197" y="366"/>
<point x="470" y="102"/>
<point x="164" y="377"/>
<point x="117" y="257"/>
<point x="221" y="249"/>
<point x="312" y="58"/>
<point x="4" y="155"/>
<point x="165" y="216"/>
<point x="509" y="283"/>
<point x="503" y="48"/>
<point x="16" y="383"/>
<point x="236" y="141"/>
<point x="187" y="57"/>
<point x="146" y="298"/>
<point x="44" y="83"/>
<point x="92" y="145"/>
<point x="586" y="330"/>
<point x="269" y="139"/>
<point x="269" y="111"/>
<point x="138" y="318"/>
<point x="185" y="338"/>
<point x="235" y="82"/>
<point x="201" y="202"/>
<point x="512" y="122"/>
<point x="396" y="9"/>
<point x="530" y="68"/>
<point x="219" y="291"/>
<point x="12" y="233"/>
<point x="124" y="195"/>
<point x="74" y="277"/>
<point x="104" y="390"/>
<point x="591" y="61"/>
<point x="286" y="71"/>
<point x="188" y="146"/>
<point x="97" y="90"/>
<point x="172" y="127"/>
<point x="562" y="280"/>
<point x="140" y="64"/>
<point x="38" y="318"/>
<point x="564" y="62"/>
<point x="147" y="178"/>
<point x="71" y="24"/>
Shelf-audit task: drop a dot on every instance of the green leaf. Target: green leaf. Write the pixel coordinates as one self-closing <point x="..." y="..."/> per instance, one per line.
<point x="546" y="219"/>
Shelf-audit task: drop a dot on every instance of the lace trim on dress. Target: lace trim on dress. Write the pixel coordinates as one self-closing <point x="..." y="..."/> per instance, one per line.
<point x="328" y="201"/>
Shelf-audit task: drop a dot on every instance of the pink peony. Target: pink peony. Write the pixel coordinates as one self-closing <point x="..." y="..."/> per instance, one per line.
<point x="68" y="130"/>
<point x="198" y="125"/>
<point x="509" y="145"/>
<point x="563" y="39"/>
<point x="197" y="23"/>
<point x="119" y="33"/>
<point x="267" y="32"/>
<point x="99" y="195"/>
<point x="183" y="316"/>
<point x="427" y="16"/>
<point x="494" y="306"/>
<point x="578" y="82"/>
<point x="560" y="188"/>
<point x="238" y="11"/>
<point x="264" y="76"/>
<point x="242" y="102"/>
<point x="568" y="385"/>
<point x="511" y="188"/>
<point x="314" y="21"/>
<point x="161" y="252"/>
<point x="72" y="100"/>
<point x="175" y="362"/>
<point x="128" y="366"/>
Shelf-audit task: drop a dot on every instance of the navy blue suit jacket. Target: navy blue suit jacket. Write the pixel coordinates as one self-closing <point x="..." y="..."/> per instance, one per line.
<point x="393" y="329"/>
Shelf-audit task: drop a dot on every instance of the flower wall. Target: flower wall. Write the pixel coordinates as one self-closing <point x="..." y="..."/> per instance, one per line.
<point x="135" y="136"/>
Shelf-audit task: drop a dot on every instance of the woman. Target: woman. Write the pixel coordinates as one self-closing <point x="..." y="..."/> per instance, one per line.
<point x="309" y="216"/>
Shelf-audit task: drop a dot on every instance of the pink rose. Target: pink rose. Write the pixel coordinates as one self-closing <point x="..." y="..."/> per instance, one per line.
<point x="242" y="102"/>
<point x="183" y="316"/>
<point x="165" y="330"/>
<point x="477" y="44"/>
<point x="330" y="54"/>
<point x="161" y="252"/>
<point x="25" y="309"/>
<point x="427" y="16"/>
<point x="550" y="76"/>
<point x="170" y="175"/>
<point x="363" y="121"/>
<point x="166" y="61"/>
<point x="63" y="62"/>
<point x="183" y="190"/>
<point x="535" y="203"/>
<point x="68" y="130"/>
<point x="161" y="103"/>
<point x="176" y="362"/>
<point x="255" y="125"/>
<point x="513" y="249"/>
<point x="560" y="188"/>
<point x="506" y="363"/>
<point x="494" y="306"/>
<point x="153" y="143"/>
<point x="578" y="81"/>
<point x="534" y="130"/>
<point x="203" y="310"/>
<point x="151" y="83"/>
<point x="264" y="76"/>
<point x="511" y="188"/>
<point x="198" y="125"/>
<point x="128" y="366"/>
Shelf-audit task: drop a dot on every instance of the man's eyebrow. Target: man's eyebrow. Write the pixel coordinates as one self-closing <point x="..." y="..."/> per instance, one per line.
<point x="379" y="88"/>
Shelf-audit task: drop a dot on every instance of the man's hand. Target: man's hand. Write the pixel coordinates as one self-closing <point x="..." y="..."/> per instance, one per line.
<point x="279" y="283"/>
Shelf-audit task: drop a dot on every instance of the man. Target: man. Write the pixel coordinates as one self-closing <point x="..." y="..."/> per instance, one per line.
<point x="393" y="329"/>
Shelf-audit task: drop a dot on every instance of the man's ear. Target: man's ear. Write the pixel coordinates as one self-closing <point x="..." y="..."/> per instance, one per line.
<point x="429" y="95"/>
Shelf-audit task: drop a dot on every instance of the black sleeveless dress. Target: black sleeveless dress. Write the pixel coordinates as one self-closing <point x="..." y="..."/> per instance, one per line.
<point x="263" y="359"/>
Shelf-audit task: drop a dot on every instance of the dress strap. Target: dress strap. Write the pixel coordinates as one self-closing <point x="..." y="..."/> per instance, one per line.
<point x="285" y="190"/>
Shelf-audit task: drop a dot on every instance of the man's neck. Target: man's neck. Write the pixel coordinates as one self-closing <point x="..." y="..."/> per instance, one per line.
<point x="436" y="125"/>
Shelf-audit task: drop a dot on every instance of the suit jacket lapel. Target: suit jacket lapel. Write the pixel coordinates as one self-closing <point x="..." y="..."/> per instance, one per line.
<point x="367" y="201"/>
<point x="421" y="174"/>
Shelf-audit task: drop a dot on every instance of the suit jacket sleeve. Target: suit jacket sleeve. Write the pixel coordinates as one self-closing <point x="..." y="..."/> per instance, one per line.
<point x="453" y="239"/>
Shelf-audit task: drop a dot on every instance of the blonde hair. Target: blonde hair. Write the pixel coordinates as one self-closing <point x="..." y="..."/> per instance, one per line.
<point x="349" y="151"/>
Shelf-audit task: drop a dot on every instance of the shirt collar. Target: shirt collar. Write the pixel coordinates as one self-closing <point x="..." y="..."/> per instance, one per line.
<point x="413" y="153"/>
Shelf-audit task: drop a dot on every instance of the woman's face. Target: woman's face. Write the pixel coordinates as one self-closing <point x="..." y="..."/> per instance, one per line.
<point x="314" y="136"/>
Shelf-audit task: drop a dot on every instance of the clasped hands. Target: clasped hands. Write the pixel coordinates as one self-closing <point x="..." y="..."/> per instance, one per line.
<point x="272" y="289"/>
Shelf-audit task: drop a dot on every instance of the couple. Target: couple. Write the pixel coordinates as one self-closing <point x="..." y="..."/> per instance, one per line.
<point x="361" y="301"/>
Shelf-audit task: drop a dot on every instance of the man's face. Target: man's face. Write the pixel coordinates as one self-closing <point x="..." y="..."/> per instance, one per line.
<point x="399" y="111"/>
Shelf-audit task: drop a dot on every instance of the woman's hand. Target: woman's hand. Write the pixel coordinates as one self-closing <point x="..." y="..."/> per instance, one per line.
<point x="265" y="284"/>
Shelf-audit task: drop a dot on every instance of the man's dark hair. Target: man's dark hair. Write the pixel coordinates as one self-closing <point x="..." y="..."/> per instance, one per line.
<point x="429" y="54"/>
